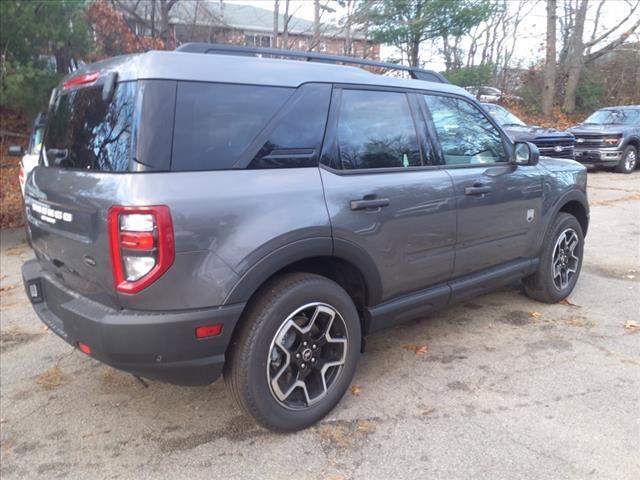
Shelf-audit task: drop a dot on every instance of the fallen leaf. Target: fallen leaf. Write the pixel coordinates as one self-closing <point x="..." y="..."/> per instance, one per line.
<point x="567" y="302"/>
<point x="536" y="314"/>
<point x="365" y="426"/>
<point x="7" y="288"/>
<point x="417" y="349"/>
<point x="356" y="390"/>
<point x="336" y="477"/>
<point x="630" y="277"/>
<point x="632" y="326"/>
<point x="51" y="378"/>
<point x="45" y="328"/>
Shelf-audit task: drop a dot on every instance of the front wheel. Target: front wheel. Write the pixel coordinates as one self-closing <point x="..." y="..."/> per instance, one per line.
<point x="560" y="261"/>
<point x="296" y="352"/>
<point x="629" y="160"/>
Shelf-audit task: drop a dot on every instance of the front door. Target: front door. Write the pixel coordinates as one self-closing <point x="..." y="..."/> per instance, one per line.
<point x="384" y="193"/>
<point x="498" y="202"/>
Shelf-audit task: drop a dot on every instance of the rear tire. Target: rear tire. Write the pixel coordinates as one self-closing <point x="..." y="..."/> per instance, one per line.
<point x="299" y="328"/>
<point x="560" y="261"/>
<point x="629" y="160"/>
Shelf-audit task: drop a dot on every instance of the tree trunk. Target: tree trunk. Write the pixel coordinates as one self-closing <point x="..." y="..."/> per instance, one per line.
<point x="549" y="90"/>
<point x="285" y="27"/>
<point x="316" y="25"/>
<point x="276" y="13"/>
<point x="575" y="59"/>
<point x="414" y="53"/>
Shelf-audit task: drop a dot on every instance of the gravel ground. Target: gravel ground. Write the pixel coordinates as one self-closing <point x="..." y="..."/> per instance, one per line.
<point x="507" y="388"/>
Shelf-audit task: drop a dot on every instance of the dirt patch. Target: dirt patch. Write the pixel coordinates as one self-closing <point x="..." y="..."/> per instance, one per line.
<point x="14" y="337"/>
<point x="628" y="198"/>
<point x="339" y="435"/>
<point x="51" y="378"/>
<point x="517" y="317"/>
<point x="615" y="273"/>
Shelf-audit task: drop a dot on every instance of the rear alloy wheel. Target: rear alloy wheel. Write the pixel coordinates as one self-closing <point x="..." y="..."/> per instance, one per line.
<point x="296" y="351"/>
<point x="307" y="356"/>
<point x="629" y="160"/>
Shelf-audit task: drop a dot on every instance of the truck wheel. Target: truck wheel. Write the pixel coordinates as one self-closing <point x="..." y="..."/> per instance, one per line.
<point x="560" y="262"/>
<point x="628" y="161"/>
<point x="296" y="351"/>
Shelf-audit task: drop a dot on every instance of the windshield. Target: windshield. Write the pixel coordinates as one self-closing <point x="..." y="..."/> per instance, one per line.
<point x="504" y="116"/>
<point x="622" y="116"/>
<point x="85" y="132"/>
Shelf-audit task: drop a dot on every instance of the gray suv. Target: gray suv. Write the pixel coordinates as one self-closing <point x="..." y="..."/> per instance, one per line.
<point x="206" y="211"/>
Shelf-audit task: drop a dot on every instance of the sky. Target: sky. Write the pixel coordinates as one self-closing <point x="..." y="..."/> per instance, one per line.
<point x="530" y="43"/>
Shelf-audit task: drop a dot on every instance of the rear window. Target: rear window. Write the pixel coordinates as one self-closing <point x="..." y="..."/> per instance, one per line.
<point x="84" y="132"/>
<point x="215" y="123"/>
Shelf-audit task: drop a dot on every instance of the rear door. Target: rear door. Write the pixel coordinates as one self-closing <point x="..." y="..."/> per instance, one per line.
<point x="384" y="192"/>
<point x="498" y="202"/>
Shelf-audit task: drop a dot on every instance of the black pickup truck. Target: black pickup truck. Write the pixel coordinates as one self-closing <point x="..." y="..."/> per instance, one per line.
<point x="550" y="142"/>
<point x="610" y="137"/>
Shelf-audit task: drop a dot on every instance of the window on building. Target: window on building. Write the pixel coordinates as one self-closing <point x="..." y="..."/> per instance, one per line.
<point x="256" y="40"/>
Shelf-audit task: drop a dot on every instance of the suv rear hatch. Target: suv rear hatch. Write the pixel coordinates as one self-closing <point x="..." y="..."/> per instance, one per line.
<point x="87" y="146"/>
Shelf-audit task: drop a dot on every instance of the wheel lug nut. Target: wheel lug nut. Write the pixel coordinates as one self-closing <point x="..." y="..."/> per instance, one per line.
<point x="313" y="360"/>
<point x="302" y="366"/>
<point x="297" y="355"/>
<point x="304" y="344"/>
<point x="314" y="346"/>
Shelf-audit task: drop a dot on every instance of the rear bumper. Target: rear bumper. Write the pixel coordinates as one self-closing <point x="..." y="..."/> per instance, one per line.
<point x="607" y="157"/>
<point x="156" y="345"/>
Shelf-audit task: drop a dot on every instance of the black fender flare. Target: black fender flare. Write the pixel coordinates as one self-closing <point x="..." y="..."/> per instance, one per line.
<point x="573" y="195"/>
<point x="299" y="250"/>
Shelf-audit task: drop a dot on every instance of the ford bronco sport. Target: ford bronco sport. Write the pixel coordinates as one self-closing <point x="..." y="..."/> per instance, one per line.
<point x="207" y="211"/>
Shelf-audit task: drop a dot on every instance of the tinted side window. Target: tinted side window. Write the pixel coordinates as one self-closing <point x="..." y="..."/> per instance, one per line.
<point x="465" y="134"/>
<point x="214" y="123"/>
<point x="297" y="137"/>
<point x="85" y="132"/>
<point x="376" y="130"/>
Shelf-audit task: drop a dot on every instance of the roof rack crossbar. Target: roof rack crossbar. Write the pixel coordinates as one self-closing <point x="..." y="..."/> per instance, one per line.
<point x="415" y="73"/>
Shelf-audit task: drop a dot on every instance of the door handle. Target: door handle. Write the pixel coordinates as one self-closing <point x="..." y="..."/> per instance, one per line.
<point x="477" y="189"/>
<point x="369" y="203"/>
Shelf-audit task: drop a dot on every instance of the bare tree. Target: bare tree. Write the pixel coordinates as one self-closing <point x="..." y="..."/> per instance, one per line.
<point x="316" y="25"/>
<point x="285" y="27"/>
<point x="549" y="89"/>
<point x="276" y="15"/>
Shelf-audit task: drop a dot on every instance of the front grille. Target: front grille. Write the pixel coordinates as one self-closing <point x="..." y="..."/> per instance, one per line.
<point x="555" y="148"/>
<point x="588" y="141"/>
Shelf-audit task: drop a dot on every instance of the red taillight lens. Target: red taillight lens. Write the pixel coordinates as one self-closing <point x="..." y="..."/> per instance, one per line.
<point x="209" y="331"/>
<point x="142" y="245"/>
<point x="81" y="80"/>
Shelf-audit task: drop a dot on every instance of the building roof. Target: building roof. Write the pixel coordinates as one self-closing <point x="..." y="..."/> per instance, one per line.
<point x="238" y="16"/>
<point x="208" y="67"/>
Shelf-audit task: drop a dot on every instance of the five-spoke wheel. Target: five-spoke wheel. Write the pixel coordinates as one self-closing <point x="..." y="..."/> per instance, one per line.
<point x="565" y="260"/>
<point x="307" y="355"/>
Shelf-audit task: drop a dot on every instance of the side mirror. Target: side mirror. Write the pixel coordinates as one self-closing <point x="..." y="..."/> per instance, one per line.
<point x="525" y="153"/>
<point x="15" y="151"/>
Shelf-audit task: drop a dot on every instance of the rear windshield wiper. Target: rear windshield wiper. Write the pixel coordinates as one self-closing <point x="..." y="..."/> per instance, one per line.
<point x="60" y="156"/>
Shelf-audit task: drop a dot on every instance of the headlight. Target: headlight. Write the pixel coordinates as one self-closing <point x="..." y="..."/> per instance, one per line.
<point x="612" y="141"/>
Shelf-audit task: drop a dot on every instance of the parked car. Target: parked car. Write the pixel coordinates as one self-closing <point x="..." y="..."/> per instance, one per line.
<point x="31" y="156"/>
<point x="491" y="94"/>
<point x="550" y="142"/>
<point x="198" y="214"/>
<point x="610" y="137"/>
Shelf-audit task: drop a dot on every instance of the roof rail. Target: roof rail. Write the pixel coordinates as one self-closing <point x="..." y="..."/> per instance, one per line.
<point x="415" y="73"/>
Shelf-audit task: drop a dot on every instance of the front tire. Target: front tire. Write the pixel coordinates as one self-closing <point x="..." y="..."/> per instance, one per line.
<point x="629" y="160"/>
<point x="560" y="261"/>
<point x="296" y="352"/>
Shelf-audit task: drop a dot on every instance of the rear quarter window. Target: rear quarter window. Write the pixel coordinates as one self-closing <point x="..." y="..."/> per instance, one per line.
<point x="85" y="132"/>
<point x="215" y="123"/>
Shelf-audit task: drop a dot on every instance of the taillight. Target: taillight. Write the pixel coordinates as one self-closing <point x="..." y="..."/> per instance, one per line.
<point x="142" y="245"/>
<point x="81" y="81"/>
<point x="21" y="175"/>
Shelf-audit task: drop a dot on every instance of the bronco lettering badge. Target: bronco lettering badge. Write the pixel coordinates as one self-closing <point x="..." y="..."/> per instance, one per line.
<point x="51" y="215"/>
